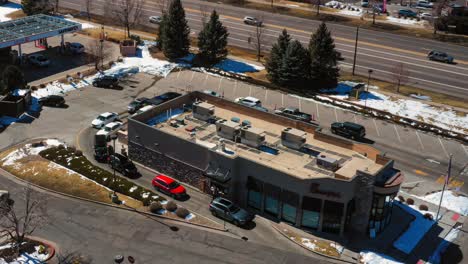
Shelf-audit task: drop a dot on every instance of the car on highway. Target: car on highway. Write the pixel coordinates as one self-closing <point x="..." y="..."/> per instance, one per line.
<point x="248" y="101"/>
<point x="75" y="47"/>
<point x="104" y="119"/>
<point x="223" y="208"/>
<point x="52" y="100"/>
<point x="252" y="21"/>
<point x="136" y="104"/>
<point x="106" y="81"/>
<point x="169" y="186"/>
<point x="110" y="129"/>
<point x="439" y="56"/>
<point x="293" y="113"/>
<point x="155" y="19"/>
<point x="38" y="60"/>
<point x="212" y="93"/>
<point x="407" y="13"/>
<point x="123" y="165"/>
<point x="348" y="129"/>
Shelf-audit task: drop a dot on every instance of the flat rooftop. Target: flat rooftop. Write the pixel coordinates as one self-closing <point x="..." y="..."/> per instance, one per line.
<point x="296" y="163"/>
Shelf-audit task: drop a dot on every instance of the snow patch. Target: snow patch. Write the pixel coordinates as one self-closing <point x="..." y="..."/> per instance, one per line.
<point x="369" y="257"/>
<point x="189" y="217"/>
<point x="435" y="258"/>
<point x="133" y="189"/>
<point x="405" y="21"/>
<point x="450" y="201"/>
<point x="7" y="9"/>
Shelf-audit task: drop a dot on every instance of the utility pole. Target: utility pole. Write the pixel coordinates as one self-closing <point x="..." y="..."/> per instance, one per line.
<point x="102" y="47"/>
<point x="447" y="178"/>
<point x="355" y="49"/>
<point x="367" y="89"/>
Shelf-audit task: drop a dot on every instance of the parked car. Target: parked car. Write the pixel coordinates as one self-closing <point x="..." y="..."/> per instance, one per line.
<point x="407" y="13"/>
<point x="260" y="108"/>
<point x="424" y="4"/>
<point x="223" y="208"/>
<point x="110" y="129"/>
<point x="439" y="56"/>
<point x="76" y="48"/>
<point x="104" y="119"/>
<point x="248" y="101"/>
<point x="136" y="104"/>
<point x="293" y="113"/>
<point x="106" y="81"/>
<point x="52" y="100"/>
<point x="123" y="165"/>
<point x="155" y="19"/>
<point x="365" y="3"/>
<point x="252" y="21"/>
<point x="212" y="93"/>
<point x="101" y="153"/>
<point x="169" y="186"/>
<point x="348" y="129"/>
<point x="157" y="100"/>
<point x="426" y="16"/>
<point x="143" y="109"/>
<point x="38" y="60"/>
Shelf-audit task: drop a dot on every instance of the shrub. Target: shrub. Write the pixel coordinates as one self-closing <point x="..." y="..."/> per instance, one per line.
<point x="428" y="216"/>
<point x="410" y="201"/>
<point x="42" y="85"/>
<point x="78" y="153"/>
<point x="182" y="212"/>
<point x="423" y="207"/>
<point x="33" y="88"/>
<point x="72" y="149"/>
<point x="155" y="207"/>
<point x="137" y="39"/>
<point x="171" y="206"/>
<point x="61" y="147"/>
<point x="111" y="63"/>
<point x="401" y="198"/>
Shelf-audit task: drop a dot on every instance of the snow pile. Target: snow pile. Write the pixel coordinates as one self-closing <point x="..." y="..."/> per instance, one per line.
<point x="349" y="12"/>
<point x="28" y="150"/>
<point x="84" y="25"/>
<point x="307" y="243"/>
<point x="404" y="21"/>
<point x="415" y="232"/>
<point x="369" y="257"/>
<point x="133" y="189"/>
<point x="7" y="9"/>
<point x="233" y="66"/>
<point x="31" y="258"/>
<point x="450" y="201"/>
<point x="189" y="217"/>
<point x="450" y="237"/>
<point x="443" y="118"/>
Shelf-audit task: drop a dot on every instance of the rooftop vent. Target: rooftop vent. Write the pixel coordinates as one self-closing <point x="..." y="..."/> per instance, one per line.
<point x="328" y="163"/>
<point x="293" y="138"/>
<point x="203" y="111"/>
<point x="251" y="136"/>
<point x="227" y="129"/>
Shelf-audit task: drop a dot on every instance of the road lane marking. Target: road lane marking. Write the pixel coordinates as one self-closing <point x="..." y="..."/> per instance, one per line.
<point x="336" y="115"/>
<point x="433" y="161"/>
<point x="376" y="128"/>
<point x="443" y="147"/>
<point x="420" y="172"/>
<point x="419" y="139"/>
<point x="396" y="131"/>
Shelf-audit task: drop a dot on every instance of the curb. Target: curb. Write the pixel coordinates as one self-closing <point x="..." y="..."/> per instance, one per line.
<point x="50" y="245"/>
<point x="315" y="252"/>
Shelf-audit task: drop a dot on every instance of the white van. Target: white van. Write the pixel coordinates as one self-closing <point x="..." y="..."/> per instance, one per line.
<point x="144" y="109"/>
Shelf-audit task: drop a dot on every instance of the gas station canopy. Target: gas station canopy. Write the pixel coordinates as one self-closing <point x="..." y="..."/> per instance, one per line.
<point x="31" y="28"/>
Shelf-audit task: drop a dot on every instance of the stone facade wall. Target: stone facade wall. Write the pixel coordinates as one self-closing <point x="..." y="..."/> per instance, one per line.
<point x="363" y="202"/>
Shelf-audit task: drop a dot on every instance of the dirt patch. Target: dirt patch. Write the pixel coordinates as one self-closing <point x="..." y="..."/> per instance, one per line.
<point x="17" y="14"/>
<point x="316" y="245"/>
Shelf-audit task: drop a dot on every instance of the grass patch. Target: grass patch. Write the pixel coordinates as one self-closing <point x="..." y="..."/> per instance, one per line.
<point x="80" y="164"/>
<point x="17" y="14"/>
<point x="320" y="246"/>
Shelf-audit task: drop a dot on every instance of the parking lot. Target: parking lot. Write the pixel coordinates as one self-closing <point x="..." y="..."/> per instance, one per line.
<point x="397" y="141"/>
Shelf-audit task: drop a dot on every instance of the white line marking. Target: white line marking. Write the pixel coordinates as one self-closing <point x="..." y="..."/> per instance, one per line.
<point x="282" y="100"/>
<point x="443" y="147"/>
<point x="376" y="128"/>
<point x="396" y="131"/>
<point x="250" y="90"/>
<point x="193" y="73"/>
<point x="355" y="119"/>
<point x="316" y="106"/>
<point x="300" y="104"/>
<point x="206" y="78"/>
<point x="419" y="139"/>
<point x="465" y="148"/>
<point x="266" y="95"/>
<point x="235" y="88"/>
<point x="336" y="115"/>
<point x="178" y="74"/>
<point x="219" y="85"/>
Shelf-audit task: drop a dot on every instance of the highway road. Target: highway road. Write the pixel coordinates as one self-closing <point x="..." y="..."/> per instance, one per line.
<point x="379" y="51"/>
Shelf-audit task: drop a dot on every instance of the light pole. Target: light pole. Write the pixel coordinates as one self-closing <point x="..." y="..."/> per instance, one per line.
<point x="102" y="47"/>
<point x="367" y="88"/>
<point x="355" y="49"/>
<point x="111" y="160"/>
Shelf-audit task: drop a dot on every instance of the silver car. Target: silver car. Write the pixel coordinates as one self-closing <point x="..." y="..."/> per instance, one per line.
<point x="38" y="60"/>
<point x="155" y="19"/>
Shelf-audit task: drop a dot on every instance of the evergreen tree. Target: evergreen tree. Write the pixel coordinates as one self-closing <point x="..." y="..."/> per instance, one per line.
<point x="294" y="70"/>
<point x="12" y="78"/>
<point x="160" y="37"/>
<point x="277" y="52"/>
<point x="324" y="70"/>
<point x="33" y="7"/>
<point x="175" y="32"/>
<point x="212" y="40"/>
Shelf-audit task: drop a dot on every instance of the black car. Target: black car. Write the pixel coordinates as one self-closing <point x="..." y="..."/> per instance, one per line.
<point x="348" y="129"/>
<point x="123" y="165"/>
<point x="226" y="209"/>
<point x="157" y="100"/>
<point x="136" y="104"/>
<point x="101" y="153"/>
<point x="106" y="82"/>
<point x="293" y="113"/>
<point x="52" y="100"/>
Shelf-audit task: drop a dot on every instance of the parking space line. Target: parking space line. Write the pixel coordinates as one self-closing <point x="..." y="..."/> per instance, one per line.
<point x="206" y="78"/>
<point x="336" y="115"/>
<point x="178" y="74"/>
<point x="443" y="147"/>
<point x="300" y="104"/>
<point x="235" y="88"/>
<point x="282" y="99"/>
<point x="419" y="139"/>
<point x="191" y="79"/>
<point x="396" y="131"/>
<point x="465" y="149"/>
<point x="266" y="95"/>
<point x="250" y="90"/>
<point x="376" y="128"/>
<point x="316" y="106"/>
<point x="355" y="119"/>
<point x="219" y="85"/>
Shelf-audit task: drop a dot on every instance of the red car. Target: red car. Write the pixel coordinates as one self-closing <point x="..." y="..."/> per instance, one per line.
<point x="169" y="186"/>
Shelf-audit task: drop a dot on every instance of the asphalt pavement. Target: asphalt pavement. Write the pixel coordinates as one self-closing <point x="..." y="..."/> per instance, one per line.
<point x="377" y="50"/>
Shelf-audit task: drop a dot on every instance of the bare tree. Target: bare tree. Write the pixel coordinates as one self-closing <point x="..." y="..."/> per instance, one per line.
<point x="72" y="258"/>
<point x="163" y="5"/>
<point x="439" y="6"/>
<point x="17" y="222"/>
<point x="98" y="51"/>
<point x="256" y="39"/>
<point x="127" y="13"/>
<point x="88" y="4"/>
<point x="56" y="5"/>
<point x="204" y="14"/>
<point x="400" y="75"/>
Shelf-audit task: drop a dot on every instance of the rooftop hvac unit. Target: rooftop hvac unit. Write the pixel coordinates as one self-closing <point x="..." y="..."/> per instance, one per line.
<point x="227" y="129"/>
<point x="293" y="138"/>
<point x="328" y="163"/>
<point x="203" y="111"/>
<point x="253" y="137"/>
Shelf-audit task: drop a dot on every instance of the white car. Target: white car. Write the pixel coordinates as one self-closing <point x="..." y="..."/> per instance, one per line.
<point x="252" y="21"/>
<point x="248" y="101"/>
<point x="38" y="60"/>
<point x="425" y="16"/>
<point x="76" y="48"/>
<point x="212" y="93"/>
<point x="143" y="109"/>
<point x="155" y="19"/>
<point x="104" y="119"/>
<point x="110" y="129"/>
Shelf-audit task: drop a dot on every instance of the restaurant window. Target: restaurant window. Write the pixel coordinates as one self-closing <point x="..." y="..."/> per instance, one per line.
<point x="272" y="195"/>
<point x="332" y="215"/>
<point x="254" y="194"/>
<point x="290" y="201"/>
<point x="311" y="208"/>
<point x="381" y="212"/>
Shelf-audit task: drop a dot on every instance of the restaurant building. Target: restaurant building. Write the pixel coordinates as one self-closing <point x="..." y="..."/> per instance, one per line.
<point x="281" y="168"/>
